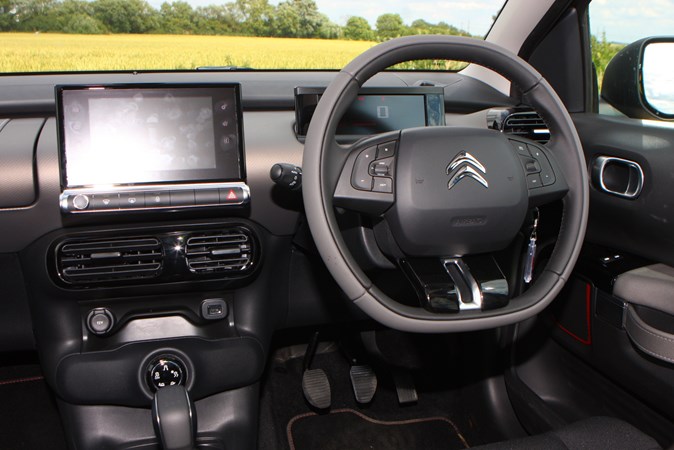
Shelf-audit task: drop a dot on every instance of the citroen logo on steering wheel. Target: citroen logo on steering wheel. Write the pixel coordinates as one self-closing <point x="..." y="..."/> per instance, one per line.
<point x="465" y="165"/>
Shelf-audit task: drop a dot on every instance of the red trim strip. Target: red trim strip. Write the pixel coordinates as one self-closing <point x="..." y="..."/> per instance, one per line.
<point x="588" y="319"/>
<point x="21" y="380"/>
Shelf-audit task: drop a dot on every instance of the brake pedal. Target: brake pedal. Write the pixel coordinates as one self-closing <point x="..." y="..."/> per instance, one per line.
<point x="316" y="388"/>
<point x="315" y="384"/>
<point x="364" y="383"/>
<point x="405" y="388"/>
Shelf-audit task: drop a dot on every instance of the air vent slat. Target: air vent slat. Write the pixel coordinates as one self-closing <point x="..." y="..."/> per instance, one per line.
<point x="85" y="261"/>
<point x="526" y="124"/>
<point x="110" y="270"/>
<point x="213" y="252"/>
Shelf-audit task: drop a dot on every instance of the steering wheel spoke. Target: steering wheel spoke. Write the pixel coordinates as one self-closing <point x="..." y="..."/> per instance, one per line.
<point x="545" y="180"/>
<point x="367" y="181"/>
<point x="452" y="285"/>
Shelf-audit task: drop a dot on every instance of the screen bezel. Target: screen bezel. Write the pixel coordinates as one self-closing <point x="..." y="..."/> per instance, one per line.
<point x="236" y="87"/>
<point x="425" y="91"/>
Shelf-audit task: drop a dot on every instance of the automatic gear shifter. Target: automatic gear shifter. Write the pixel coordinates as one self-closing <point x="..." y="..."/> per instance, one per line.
<point x="174" y="419"/>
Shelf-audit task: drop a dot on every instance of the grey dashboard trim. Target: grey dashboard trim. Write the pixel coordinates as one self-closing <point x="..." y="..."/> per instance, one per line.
<point x="260" y="90"/>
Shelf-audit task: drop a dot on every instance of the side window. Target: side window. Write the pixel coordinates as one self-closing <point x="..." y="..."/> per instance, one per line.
<point x="635" y="42"/>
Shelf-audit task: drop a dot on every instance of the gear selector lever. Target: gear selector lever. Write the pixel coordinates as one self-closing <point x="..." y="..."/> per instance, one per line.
<point x="174" y="418"/>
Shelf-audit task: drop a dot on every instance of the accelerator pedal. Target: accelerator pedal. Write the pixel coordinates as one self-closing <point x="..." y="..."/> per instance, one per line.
<point x="405" y="388"/>
<point x="315" y="383"/>
<point x="364" y="383"/>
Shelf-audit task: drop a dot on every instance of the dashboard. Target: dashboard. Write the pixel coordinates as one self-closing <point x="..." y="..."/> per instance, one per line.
<point x="140" y="209"/>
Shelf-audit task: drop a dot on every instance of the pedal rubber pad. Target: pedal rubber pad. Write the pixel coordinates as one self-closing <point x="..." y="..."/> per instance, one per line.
<point x="364" y="383"/>
<point x="316" y="388"/>
<point x="407" y="392"/>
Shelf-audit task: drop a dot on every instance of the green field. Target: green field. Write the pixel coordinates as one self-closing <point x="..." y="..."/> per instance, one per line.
<point x="27" y="52"/>
<point x="43" y="52"/>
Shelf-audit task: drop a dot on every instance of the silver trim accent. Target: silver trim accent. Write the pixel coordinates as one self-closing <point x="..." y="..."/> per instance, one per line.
<point x="465" y="158"/>
<point x="189" y="408"/>
<point x="599" y="167"/>
<point x="67" y="193"/>
<point x="467" y="172"/>
<point x="475" y="302"/>
<point x="468" y="167"/>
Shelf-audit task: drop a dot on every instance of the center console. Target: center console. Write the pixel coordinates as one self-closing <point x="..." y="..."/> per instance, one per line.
<point x="156" y="278"/>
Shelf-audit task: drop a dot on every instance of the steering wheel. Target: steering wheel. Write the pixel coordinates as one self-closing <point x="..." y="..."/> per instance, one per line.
<point x="444" y="195"/>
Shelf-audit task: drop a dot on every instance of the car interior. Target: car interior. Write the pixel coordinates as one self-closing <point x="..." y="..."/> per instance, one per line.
<point x="368" y="258"/>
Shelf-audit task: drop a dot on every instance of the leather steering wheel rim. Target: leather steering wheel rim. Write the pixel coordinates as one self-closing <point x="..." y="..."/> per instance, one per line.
<point x="320" y="172"/>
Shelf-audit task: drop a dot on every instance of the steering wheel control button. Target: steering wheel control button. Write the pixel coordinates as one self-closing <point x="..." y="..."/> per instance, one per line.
<point x="105" y="201"/>
<point x="386" y="150"/>
<point x="80" y="202"/>
<point x="166" y="371"/>
<point x="360" y="177"/>
<point x="530" y="164"/>
<point x="382" y="184"/>
<point x="547" y="174"/>
<point x="214" y="309"/>
<point x="547" y="177"/>
<point x="379" y="169"/>
<point x="536" y="152"/>
<point x="521" y="148"/>
<point x="182" y="198"/>
<point x="100" y="321"/>
<point x="534" y="181"/>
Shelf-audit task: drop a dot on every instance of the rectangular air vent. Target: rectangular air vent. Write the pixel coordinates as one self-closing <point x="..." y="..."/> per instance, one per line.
<point x="87" y="261"/>
<point x="219" y="251"/>
<point x="526" y="124"/>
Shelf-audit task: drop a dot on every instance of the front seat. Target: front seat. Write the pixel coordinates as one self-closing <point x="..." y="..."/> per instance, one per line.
<point x="590" y="434"/>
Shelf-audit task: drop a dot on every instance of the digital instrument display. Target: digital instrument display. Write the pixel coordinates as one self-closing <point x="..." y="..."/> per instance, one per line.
<point x="377" y="110"/>
<point x="148" y="134"/>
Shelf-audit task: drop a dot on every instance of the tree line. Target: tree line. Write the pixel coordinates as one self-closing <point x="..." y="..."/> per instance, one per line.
<point x="290" y="18"/>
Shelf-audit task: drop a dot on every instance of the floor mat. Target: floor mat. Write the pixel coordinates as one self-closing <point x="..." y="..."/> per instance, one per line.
<point x="347" y="428"/>
<point x="29" y="418"/>
<point x="442" y="394"/>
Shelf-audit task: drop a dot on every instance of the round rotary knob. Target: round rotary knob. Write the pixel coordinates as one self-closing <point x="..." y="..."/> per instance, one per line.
<point x="166" y="371"/>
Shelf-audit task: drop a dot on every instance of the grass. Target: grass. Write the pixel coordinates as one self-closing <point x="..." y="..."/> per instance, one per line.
<point x="26" y="52"/>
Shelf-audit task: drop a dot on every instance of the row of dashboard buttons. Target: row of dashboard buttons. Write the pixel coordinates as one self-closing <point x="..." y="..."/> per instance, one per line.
<point x="536" y="165"/>
<point x="374" y="167"/>
<point x="158" y="199"/>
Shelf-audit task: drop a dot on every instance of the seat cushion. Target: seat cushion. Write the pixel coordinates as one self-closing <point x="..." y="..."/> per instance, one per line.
<point x="589" y="434"/>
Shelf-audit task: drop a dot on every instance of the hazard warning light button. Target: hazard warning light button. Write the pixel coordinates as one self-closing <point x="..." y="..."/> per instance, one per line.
<point x="231" y="196"/>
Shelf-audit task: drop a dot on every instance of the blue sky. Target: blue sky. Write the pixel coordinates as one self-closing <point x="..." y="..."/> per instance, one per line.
<point x="628" y="20"/>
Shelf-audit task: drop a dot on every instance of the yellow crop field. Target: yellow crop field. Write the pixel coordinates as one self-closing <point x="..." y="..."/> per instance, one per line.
<point x="26" y="52"/>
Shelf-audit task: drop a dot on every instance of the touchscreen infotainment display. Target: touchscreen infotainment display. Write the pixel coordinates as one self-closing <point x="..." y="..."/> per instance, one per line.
<point x="126" y="135"/>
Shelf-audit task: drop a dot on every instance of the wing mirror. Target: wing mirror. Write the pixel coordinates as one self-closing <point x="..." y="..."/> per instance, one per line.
<point x="639" y="80"/>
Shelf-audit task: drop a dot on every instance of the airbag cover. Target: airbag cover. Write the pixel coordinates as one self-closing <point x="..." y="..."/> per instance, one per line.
<point x="458" y="191"/>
